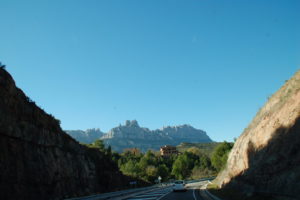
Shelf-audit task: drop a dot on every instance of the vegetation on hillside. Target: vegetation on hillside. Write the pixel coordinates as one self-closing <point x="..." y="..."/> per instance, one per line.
<point x="191" y="163"/>
<point x="220" y="155"/>
<point x="205" y="148"/>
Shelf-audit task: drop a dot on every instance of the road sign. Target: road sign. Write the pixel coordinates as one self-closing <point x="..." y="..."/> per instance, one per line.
<point x="159" y="179"/>
<point x="132" y="182"/>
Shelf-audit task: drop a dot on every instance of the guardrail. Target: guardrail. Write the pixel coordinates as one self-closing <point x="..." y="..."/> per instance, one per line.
<point x="118" y="193"/>
<point x="202" y="179"/>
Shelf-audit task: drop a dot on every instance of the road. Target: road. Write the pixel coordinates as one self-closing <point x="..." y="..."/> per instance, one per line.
<point x="192" y="193"/>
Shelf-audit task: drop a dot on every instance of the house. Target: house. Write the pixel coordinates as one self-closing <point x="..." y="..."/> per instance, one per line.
<point x="168" y="150"/>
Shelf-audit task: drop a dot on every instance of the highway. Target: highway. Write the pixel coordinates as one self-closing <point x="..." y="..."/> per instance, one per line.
<point x="162" y="192"/>
<point x="192" y="193"/>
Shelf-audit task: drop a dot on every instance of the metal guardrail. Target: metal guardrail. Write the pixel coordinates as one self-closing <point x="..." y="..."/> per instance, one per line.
<point x="202" y="179"/>
<point x="118" y="193"/>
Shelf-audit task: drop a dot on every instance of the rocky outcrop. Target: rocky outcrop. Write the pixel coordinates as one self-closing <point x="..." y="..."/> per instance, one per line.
<point x="38" y="160"/>
<point x="265" y="159"/>
<point x="87" y="137"/>
<point x="131" y="135"/>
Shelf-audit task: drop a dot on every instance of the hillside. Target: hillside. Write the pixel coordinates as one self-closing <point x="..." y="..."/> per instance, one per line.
<point x="206" y="148"/>
<point x="265" y="160"/>
<point x="131" y="135"/>
<point x="40" y="161"/>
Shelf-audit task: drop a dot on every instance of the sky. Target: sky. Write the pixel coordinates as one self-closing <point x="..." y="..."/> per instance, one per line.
<point x="94" y="64"/>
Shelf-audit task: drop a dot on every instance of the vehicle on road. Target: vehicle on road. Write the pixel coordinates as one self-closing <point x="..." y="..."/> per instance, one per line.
<point x="179" y="186"/>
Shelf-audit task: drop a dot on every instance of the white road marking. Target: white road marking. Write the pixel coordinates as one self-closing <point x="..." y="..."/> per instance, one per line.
<point x="194" y="194"/>
<point x="155" y="195"/>
<point x="164" y="195"/>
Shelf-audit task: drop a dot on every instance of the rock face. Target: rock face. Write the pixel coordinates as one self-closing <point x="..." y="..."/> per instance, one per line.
<point x="266" y="157"/>
<point x="38" y="160"/>
<point x="131" y="135"/>
<point x="87" y="137"/>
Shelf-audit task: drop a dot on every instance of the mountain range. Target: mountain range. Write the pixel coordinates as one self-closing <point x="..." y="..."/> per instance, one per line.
<point x="131" y="135"/>
<point x="87" y="137"/>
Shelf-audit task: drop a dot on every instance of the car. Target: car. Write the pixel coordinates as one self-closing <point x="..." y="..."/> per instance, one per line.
<point x="179" y="186"/>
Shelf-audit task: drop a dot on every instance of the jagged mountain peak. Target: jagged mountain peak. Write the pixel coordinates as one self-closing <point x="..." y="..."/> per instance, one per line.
<point x="130" y="135"/>
<point x="131" y="123"/>
<point x="176" y="127"/>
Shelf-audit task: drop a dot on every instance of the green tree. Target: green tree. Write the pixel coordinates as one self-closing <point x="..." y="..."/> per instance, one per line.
<point x="151" y="173"/>
<point x="130" y="168"/>
<point x="205" y="162"/>
<point x="108" y="151"/>
<point x="99" y="144"/>
<point x="220" y="155"/>
<point x="183" y="165"/>
<point x="195" y="151"/>
<point x="163" y="172"/>
<point x="148" y="159"/>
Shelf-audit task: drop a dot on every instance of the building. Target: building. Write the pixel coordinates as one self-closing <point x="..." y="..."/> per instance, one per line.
<point x="168" y="150"/>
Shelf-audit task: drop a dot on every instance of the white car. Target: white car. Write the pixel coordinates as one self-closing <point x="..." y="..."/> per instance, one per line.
<point x="179" y="186"/>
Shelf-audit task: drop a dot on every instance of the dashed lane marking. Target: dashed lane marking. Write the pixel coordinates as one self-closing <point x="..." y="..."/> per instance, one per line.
<point x="153" y="195"/>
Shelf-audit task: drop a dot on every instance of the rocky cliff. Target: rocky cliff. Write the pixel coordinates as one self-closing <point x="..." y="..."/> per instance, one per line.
<point x="38" y="160"/>
<point x="87" y="137"/>
<point x="131" y="135"/>
<point x="265" y="159"/>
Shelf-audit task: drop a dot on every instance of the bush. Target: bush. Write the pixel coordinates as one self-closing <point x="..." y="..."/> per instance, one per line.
<point x="220" y="155"/>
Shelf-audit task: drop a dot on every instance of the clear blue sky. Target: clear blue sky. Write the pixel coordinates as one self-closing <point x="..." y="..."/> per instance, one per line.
<point x="94" y="64"/>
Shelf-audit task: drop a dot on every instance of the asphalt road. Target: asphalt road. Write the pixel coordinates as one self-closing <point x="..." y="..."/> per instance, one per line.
<point x="192" y="193"/>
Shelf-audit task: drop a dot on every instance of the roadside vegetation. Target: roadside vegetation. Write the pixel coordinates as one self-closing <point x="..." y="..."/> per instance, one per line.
<point x="206" y="148"/>
<point x="192" y="163"/>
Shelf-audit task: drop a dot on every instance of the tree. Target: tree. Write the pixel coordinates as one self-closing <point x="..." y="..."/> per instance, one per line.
<point x="108" y="151"/>
<point x="148" y="159"/>
<point x="195" y="151"/>
<point x="183" y="165"/>
<point x="220" y="155"/>
<point x="151" y="173"/>
<point x="204" y="162"/>
<point x="133" y="151"/>
<point x="130" y="168"/>
<point x="163" y="171"/>
<point x="99" y="145"/>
